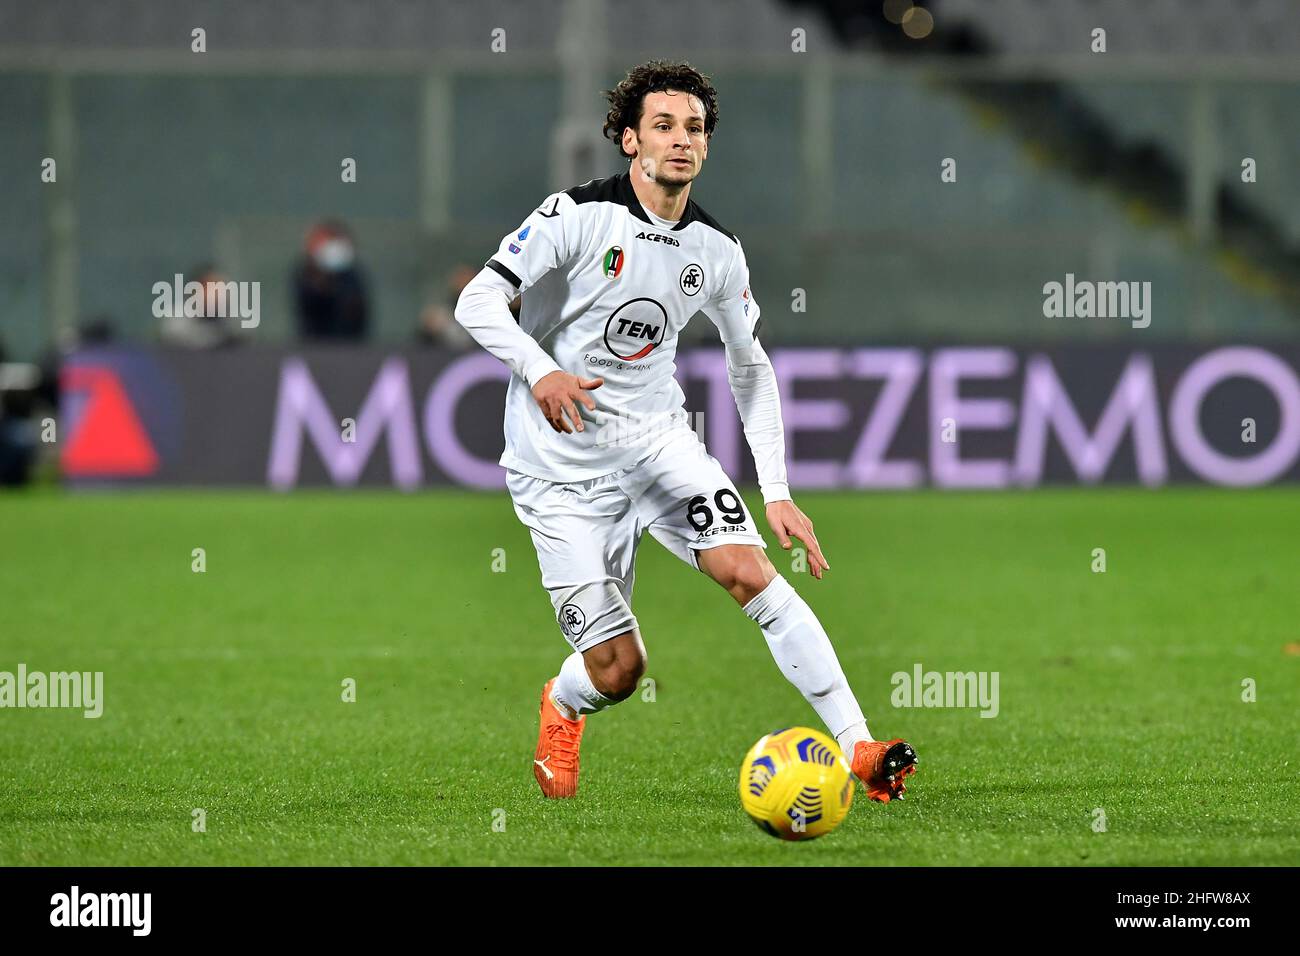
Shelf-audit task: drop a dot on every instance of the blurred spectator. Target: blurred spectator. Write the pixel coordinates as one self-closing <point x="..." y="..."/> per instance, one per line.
<point x="204" y="331"/>
<point x="18" y="435"/>
<point x="329" y="286"/>
<point x="96" y="331"/>
<point x="438" y="326"/>
<point x="18" y="430"/>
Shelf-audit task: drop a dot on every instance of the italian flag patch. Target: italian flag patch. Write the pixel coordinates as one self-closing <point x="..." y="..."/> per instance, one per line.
<point x="613" y="262"/>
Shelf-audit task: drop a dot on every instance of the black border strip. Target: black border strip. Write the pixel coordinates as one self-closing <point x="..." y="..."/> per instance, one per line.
<point x="503" y="272"/>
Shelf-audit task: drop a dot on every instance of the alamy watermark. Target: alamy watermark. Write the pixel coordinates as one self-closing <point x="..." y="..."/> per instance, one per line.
<point x="82" y="690"/>
<point x="211" y="299"/>
<point x="75" y="908"/>
<point x="1098" y="300"/>
<point x="636" y="429"/>
<point x="922" y="688"/>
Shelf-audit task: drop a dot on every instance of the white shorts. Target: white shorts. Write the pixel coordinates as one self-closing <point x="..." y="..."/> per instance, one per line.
<point x="586" y="532"/>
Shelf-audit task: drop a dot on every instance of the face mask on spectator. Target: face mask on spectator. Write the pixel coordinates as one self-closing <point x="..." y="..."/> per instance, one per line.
<point x="334" y="255"/>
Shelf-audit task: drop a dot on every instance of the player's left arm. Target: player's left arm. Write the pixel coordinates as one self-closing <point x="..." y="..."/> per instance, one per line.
<point x="753" y="383"/>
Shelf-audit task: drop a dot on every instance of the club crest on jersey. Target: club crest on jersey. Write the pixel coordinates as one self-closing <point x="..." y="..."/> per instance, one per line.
<point x="636" y="329"/>
<point x="692" y="279"/>
<point x="613" y="264"/>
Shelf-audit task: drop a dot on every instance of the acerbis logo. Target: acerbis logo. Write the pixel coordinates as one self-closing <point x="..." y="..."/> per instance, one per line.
<point x="613" y="263"/>
<point x="692" y="279"/>
<point x="655" y="237"/>
<point x="572" y="619"/>
<point x="635" y="329"/>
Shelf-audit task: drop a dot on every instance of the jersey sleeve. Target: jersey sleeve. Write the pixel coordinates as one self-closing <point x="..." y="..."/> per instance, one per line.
<point x="548" y="239"/>
<point x="732" y="308"/>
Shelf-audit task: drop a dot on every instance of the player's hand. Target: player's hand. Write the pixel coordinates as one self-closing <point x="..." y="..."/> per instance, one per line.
<point x="787" y="520"/>
<point x="556" y="394"/>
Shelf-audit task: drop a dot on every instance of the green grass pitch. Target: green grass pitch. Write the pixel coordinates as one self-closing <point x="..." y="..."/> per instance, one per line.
<point x="1119" y="690"/>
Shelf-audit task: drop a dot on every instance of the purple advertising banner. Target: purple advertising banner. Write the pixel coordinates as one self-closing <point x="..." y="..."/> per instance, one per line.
<point x="958" y="417"/>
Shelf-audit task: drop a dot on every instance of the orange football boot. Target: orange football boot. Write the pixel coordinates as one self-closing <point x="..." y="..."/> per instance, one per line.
<point x="555" y="764"/>
<point x="882" y="766"/>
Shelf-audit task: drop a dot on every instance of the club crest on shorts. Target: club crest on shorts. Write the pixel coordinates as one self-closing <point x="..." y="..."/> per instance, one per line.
<point x="692" y="279"/>
<point x="613" y="264"/>
<point x="572" y="620"/>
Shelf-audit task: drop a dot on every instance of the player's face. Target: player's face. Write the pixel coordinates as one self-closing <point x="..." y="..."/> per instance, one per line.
<point x="670" y="143"/>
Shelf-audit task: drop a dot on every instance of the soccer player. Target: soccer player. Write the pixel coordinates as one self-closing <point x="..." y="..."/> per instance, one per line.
<point x="598" y="446"/>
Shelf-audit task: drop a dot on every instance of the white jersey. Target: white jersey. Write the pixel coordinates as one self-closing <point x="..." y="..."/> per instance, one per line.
<point x="605" y="292"/>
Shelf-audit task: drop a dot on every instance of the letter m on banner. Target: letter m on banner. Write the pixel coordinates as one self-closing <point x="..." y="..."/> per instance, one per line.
<point x="300" y="408"/>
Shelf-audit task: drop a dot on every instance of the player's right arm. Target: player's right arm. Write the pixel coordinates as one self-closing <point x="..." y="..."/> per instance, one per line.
<point x="548" y="239"/>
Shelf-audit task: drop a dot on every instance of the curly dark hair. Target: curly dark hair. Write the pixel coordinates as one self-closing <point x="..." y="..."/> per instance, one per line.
<point x="627" y="99"/>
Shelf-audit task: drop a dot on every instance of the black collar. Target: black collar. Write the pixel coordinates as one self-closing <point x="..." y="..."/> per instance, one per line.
<point x="629" y="199"/>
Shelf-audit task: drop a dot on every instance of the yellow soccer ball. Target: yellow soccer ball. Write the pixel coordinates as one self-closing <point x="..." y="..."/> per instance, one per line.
<point x="795" y="784"/>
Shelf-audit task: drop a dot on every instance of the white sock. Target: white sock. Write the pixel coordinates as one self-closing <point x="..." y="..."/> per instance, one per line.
<point x="848" y="739"/>
<point x="573" y="692"/>
<point x="803" y="652"/>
